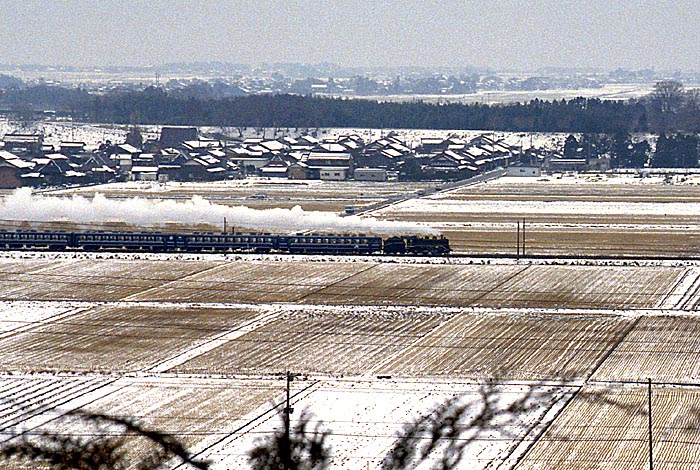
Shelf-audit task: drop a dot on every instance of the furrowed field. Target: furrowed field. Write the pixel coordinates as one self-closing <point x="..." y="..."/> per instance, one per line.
<point x="198" y="345"/>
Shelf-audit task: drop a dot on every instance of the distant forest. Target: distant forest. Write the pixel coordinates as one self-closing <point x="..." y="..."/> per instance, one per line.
<point x="670" y="108"/>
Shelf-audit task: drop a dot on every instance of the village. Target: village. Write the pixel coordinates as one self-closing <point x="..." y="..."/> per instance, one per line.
<point x="184" y="154"/>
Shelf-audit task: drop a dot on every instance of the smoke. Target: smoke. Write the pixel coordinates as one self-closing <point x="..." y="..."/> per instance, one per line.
<point x="22" y="205"/>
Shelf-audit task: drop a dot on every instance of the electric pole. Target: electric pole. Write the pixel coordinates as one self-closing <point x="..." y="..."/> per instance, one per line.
<point x="288" y="410"/>
<point x="651" y="453"/>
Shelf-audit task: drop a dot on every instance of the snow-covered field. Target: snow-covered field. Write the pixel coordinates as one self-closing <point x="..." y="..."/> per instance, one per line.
<point x="56" y="132"/>
<point x="94" y="134"/>
<point x="197" y="344"/>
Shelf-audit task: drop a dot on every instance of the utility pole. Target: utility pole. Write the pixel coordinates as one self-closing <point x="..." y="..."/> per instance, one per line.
<point x="651" y="453"/>
<point x="523" y="250"/>
<point x="288" y="410"/>
<point x="517" y="250"/>
<point x="224" y="225"/>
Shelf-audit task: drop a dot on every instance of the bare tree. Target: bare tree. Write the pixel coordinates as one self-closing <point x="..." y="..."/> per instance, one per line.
<point x="295" y="447"/>
<point x="668" y="96"/>
<point x="445" y="432"/>
<point x="96" y="441"/>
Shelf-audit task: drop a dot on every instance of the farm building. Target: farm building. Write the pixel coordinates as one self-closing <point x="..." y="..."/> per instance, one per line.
<point x="172" y="136"/>
<point x="333" y="174"/>
<point x="370" y="174"/>
<point x="521" y="170"/>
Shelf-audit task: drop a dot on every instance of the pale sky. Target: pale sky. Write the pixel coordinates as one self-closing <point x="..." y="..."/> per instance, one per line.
<point x="522" y="35"/>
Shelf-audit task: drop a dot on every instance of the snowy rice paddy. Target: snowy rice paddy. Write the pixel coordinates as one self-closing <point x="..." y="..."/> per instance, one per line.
<point x="198" y="344"/>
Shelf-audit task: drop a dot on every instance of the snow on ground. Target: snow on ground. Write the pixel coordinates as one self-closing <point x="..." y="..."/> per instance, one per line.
<point x="17" y="316"/>
<point x="95" y="134"/>
<point x="56" y="132"/>
<point x="365" y="416"/>
<point x="546" y="207"/>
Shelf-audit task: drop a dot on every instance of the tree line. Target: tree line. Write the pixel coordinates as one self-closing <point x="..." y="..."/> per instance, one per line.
<point x="669" y="108"/>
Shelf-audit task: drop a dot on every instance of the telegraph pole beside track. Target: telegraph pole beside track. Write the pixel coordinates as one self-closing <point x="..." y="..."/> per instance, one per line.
<point x="651" y="454"/>
<point x="288" y="410"/>
<point x="520" y="249"/>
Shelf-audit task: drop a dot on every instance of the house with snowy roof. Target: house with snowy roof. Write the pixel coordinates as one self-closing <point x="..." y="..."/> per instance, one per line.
<point x="277" y="167"/>
<point x="173" y="136"/>
<point x="329" y="165"/>
<point x="11" y="169"/>
<point x="23" y="145"/>
<point x="69" y="148"/>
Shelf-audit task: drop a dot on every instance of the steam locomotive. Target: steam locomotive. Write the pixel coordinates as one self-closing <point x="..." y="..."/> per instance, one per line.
<point x="346" y="244"/>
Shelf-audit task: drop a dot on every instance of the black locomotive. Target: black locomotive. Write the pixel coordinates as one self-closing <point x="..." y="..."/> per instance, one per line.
<point x="346" y="244"/>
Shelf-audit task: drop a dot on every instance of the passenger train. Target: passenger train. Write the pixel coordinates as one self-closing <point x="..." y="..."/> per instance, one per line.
<point x="346" y="244"/>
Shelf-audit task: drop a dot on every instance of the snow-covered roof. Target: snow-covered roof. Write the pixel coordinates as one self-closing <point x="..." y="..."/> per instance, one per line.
<point x="329" y="156"/>
<point x="144" y="169"/>
<point x="273" y="170"/>
<point x="18" y="163"/>
<point x="128" y="148"/>
<point x="273" y="145"/>
<point x="333" y="147"/>
<point x="391" y="153"/>
<point x="5" y="155"/>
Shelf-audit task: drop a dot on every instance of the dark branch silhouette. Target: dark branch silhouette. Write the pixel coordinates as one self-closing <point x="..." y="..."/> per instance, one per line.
<point x="301" y="449"/>
<point x="447" y="430"/>
<point x="96" y="442"/>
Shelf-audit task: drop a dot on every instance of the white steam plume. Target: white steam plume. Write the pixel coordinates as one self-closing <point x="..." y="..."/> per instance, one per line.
<point x="22" y="205"/>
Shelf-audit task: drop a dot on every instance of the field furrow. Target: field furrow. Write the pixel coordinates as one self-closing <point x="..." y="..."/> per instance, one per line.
<point x="606" y="428"/>
<point x="529" y="347"/>
<point x="118" y="338"/>
<point x="307" y="341"/>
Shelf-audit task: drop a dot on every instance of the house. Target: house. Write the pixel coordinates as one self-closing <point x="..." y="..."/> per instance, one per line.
<point x="566" y="164"/>
<point x="71" y="148"/>
<point x="432" y="145"/>
<point x="449" y="164"/>
<point x="273" y="146"/>
<point x="327" y="162"/>
<point x="11" y="169"/>
<point x="330" y="147"/>
<point x="199" y="168"/>
<point x="128" y="149"/>
<point x="370" y="174"/>
<point x="144" y="173"/>
<point x="333" y="174"/>
<point x="200" y="146"/>
<point x="524" y="170"/>
<point x="249" y="160"/>
<point x="55" y="169"/>
<point x="98" y="169"/>
<point x="277" y="167"/>
<point x="298" y="171"/>
<point x="173" y="136"/>
<point x="24" y="145"/>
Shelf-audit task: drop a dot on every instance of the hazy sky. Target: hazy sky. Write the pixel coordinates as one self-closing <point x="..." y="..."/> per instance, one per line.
<point x="661" y="34"/>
